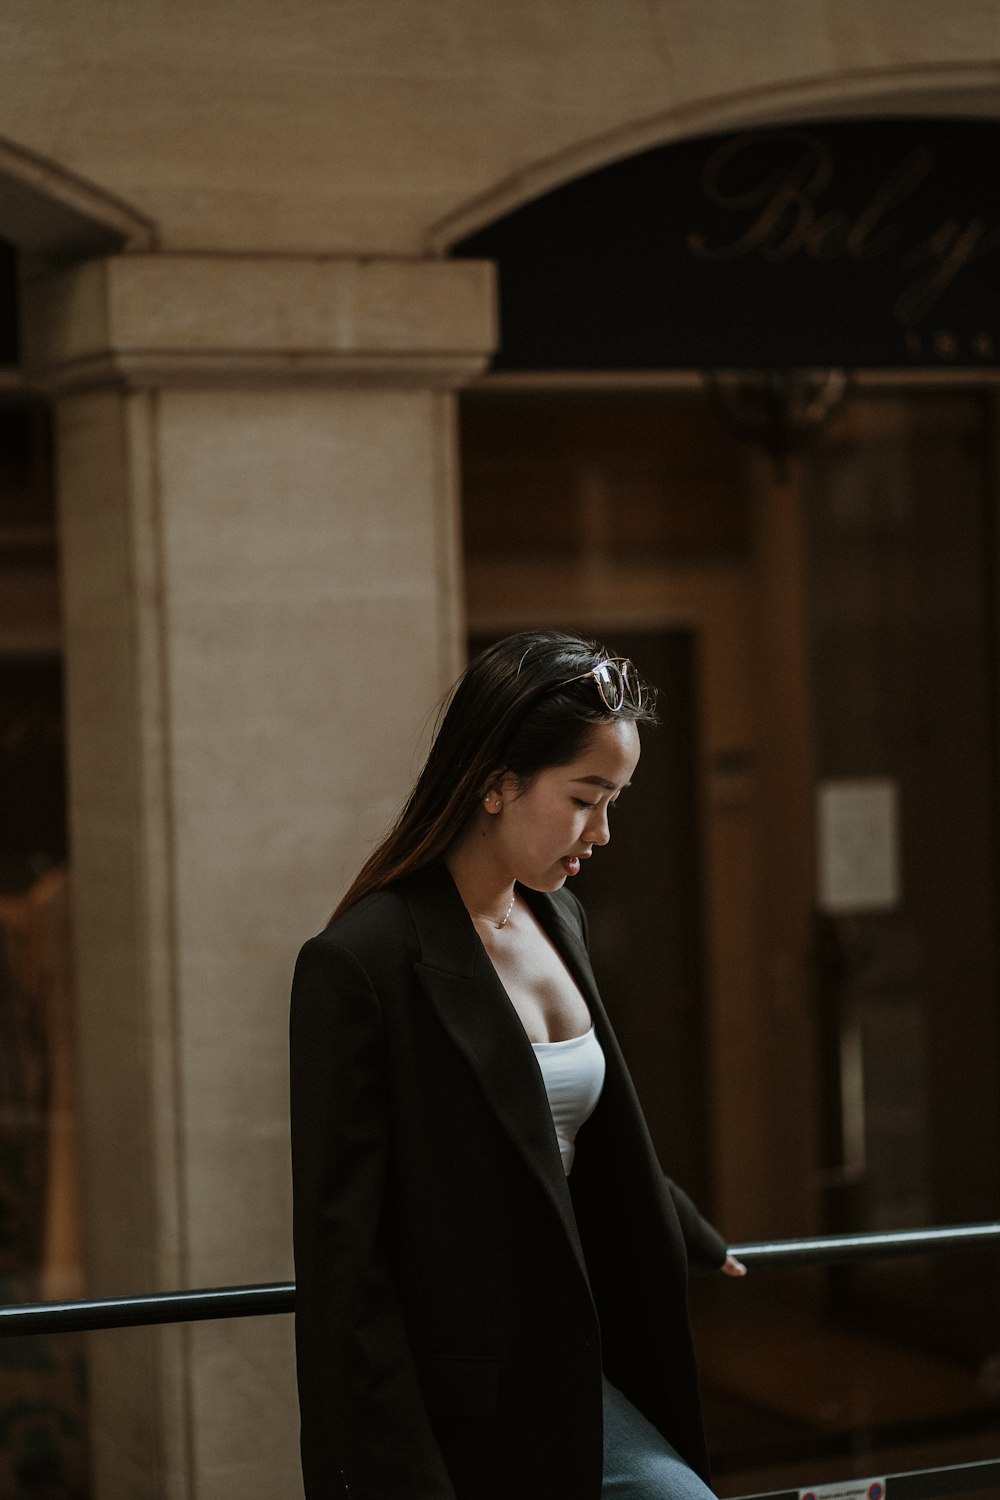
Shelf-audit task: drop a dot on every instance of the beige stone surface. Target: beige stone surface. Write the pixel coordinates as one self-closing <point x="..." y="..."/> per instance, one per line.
<point x="333" y="125"/>
<point x="118" y="832"/>
<point x="152" y="319"/>
<point x="243" y="1389"/>
<point x="261" y="603"/>
<point x="303" y="578"/>
<point x="122" y="928"/>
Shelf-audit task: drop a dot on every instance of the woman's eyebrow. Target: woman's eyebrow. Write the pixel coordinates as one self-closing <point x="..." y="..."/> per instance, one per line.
<point x="609" y="786"/>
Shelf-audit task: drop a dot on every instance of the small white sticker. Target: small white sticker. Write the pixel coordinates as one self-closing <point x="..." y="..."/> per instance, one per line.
<point x="857" y="845"/>
<point x="854" y="1489"/>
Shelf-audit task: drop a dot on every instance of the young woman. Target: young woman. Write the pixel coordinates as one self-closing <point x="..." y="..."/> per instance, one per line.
<point x="491" y="1267"/>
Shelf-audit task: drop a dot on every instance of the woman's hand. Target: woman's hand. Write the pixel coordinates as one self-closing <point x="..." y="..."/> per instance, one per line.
<point x="733" y="1267"/>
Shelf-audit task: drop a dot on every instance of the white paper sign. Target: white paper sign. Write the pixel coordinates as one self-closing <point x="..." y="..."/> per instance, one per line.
<point x="857" y="845"/>
<point x="853" y="1489"/>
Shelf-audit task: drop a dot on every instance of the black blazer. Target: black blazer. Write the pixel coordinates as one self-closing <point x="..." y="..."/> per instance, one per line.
<point x="455" y="1304"/>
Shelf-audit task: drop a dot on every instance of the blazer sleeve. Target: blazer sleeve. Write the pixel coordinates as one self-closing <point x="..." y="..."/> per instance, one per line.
<point x="365" y="1431"/>
<point x="706" y="1249"/>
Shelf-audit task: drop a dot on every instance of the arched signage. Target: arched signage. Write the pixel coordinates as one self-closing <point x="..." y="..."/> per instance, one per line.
<point x="862" y="243"/>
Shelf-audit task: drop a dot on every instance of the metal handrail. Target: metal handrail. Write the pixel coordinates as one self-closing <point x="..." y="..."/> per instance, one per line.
<point x="840" y="1249"/>
<point x="279" y="1297"/>
<point x="92" y="1314"/>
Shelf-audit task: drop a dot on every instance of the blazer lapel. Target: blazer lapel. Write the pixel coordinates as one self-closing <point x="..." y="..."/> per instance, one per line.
<point x="572" y="951"/>
<point x="619" y="1113"/>
<point x="473" y="1007"/>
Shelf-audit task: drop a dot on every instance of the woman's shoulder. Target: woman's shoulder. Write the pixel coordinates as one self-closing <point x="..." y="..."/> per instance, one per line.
<point x="377" y="925"/>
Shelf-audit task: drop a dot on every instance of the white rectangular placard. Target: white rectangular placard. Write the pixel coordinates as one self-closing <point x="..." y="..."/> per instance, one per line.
<point x="852" y="1489"/>
<point x="857" y="845"/>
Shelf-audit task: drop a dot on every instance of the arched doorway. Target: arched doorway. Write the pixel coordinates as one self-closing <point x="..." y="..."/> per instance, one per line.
<point x="847" y="1051"/>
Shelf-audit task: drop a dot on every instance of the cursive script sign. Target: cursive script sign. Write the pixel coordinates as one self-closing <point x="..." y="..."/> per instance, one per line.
<point x="844" y="243"/>
<point x="789" y="208"/>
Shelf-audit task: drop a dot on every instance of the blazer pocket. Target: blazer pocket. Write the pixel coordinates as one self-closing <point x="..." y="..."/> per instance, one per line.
<point x="460" y="1385"/>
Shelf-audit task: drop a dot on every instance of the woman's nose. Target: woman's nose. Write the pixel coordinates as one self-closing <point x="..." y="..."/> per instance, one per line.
<point x="598" y="829"/>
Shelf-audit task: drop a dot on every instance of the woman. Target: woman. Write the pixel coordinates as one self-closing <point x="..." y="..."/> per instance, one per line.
<point x="491" y="1269"/>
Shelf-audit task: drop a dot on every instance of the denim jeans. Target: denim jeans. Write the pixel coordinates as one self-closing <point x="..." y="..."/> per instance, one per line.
<point x="639" y="1463"/>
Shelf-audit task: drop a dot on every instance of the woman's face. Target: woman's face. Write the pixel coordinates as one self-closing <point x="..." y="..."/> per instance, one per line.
<point x="541" y="835"/>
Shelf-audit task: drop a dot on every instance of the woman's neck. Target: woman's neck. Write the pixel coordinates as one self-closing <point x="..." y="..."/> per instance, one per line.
<point x="486" y="891"/>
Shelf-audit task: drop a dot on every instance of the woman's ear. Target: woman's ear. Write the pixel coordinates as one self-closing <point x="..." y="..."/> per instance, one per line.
<point x="493" y="792"/>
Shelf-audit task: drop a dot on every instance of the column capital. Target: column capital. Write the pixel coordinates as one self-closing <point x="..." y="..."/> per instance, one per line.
<point x="151" y="320"/>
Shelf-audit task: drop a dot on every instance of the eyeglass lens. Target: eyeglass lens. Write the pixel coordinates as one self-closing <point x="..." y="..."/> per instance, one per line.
<point x="612" y="682"/>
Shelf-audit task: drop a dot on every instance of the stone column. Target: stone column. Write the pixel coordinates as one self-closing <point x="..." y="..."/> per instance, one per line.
<point x="261" y="605"/>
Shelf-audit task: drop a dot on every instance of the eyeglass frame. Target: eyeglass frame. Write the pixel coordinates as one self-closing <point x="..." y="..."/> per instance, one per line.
<point x="629" y="683"/>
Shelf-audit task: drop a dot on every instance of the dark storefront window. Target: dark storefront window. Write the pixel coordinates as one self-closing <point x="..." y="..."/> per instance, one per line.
<point x="817" y="1042"/>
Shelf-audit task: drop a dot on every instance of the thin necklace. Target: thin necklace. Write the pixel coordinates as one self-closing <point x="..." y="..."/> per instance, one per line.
<point x="483" y="917"/>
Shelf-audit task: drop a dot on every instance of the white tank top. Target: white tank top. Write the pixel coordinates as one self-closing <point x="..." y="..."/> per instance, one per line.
<point x="573" y="1074"/>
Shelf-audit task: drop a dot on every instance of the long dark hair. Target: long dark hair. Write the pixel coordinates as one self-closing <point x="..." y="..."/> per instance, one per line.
<point x="521" y="706"/>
